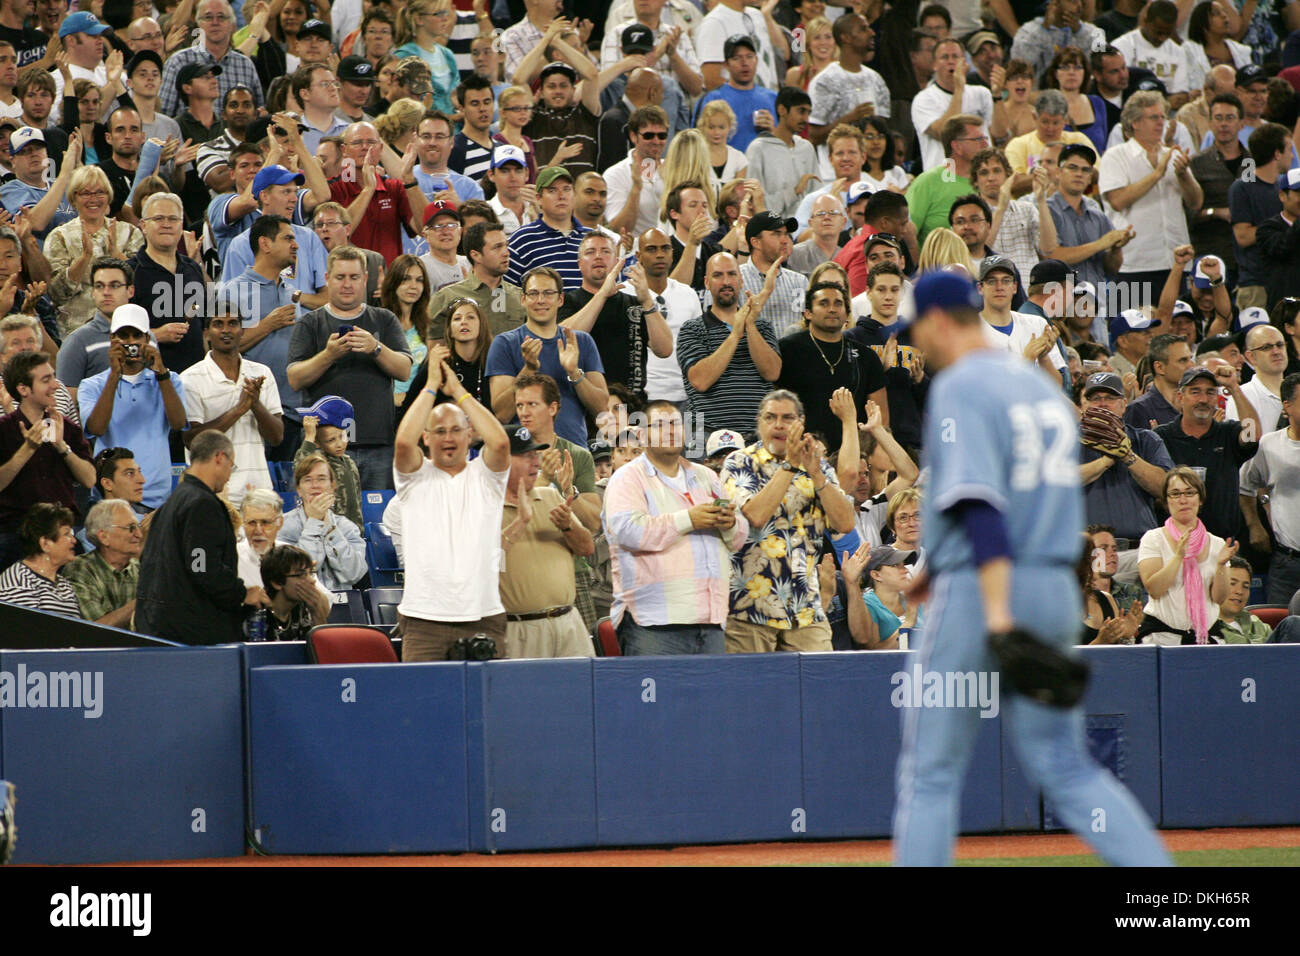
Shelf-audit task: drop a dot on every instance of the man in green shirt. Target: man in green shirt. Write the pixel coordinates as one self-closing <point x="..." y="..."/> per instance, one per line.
<point x="489" y="257"/>
<point x="1239" y="625"/>
<point x="105" y="579"/>
<point x="931" y="194"/>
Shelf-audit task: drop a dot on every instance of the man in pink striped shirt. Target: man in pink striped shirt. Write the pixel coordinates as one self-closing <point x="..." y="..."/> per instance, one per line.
<point x="671" y="535"/>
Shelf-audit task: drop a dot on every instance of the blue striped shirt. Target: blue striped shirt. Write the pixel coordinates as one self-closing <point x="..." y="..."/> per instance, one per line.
<point x="537" y="244"/>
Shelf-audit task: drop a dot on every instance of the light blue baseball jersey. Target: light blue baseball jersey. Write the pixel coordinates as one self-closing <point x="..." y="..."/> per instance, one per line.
<point x="997" y="430"/>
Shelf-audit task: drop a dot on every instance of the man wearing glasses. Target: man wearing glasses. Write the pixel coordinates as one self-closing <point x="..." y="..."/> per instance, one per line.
<point x="317" y="90"/>
<point x="170" y="285"/>
<point x="1265" y="350"/>
<point x="930" y="197"/>
<point x="1088" y="241"/>
<point x="433" y="145"/>
<point x="217" y="22"/>
<point x="105" y="579"/>
<point x="635" y="186"/>
<point x="380" y="205"/>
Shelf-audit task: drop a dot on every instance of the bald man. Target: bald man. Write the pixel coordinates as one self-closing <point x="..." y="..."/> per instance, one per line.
<point x="644" y="88"/>
<point x="827" y="221"/>
<point x="380" y="205"/>
<point x="678" y="303"/>
<point x="145" y="34"/>
<point x="1196" y="114"/>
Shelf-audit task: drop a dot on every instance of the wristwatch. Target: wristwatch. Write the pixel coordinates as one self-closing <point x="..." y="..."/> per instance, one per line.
<point x="1132" y="457"/>
<point x="379" y="347"/>
<point x="296" y="296"/>
<point x="575" y="381"/>
<point x="786" y="466"/>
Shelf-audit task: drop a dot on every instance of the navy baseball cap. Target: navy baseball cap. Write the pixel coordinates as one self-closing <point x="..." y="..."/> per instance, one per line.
<point x="944" y="289"/>
<point x="996" y="263"/>
<point x="522" y="441"/>
<point x="275" y="176"/>
<point x="1131" y="320"/>
<point x="886" y="556"/>
<point x="1195" y="372"/>
<point x="318" y="28"/>
<point x="1290" y="180"/>
<point x="769" y="221"/>
<point x="331" y="410"/>
<point x="738" y="40"/>
<point x="1104" y="382"/>
<point x="637" y="38"/>
<point x="1251" y="73"/>
<point x="600" y="450"/>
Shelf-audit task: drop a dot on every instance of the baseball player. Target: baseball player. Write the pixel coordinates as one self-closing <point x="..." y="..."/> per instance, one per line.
<point x="1003" y="519"/>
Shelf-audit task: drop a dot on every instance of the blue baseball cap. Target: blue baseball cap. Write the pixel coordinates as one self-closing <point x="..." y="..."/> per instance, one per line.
<point x="275" y="176"/>
<point x="82" y="22"/>
<point x="945" y="289"/>
<point x="331" y="410"/>
<point x="1130" y="320"/>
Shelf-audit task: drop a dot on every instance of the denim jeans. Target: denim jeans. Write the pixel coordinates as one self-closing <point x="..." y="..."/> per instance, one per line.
<point x="375" y="462"/>
<point x="668" y="639"/>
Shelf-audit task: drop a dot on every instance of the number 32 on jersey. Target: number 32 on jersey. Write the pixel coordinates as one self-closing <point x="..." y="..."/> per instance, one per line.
<point x="1045" y="442"/>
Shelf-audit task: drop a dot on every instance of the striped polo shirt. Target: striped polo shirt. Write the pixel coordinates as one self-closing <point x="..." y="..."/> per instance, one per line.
<point x="537" y="244"/>
<point x="732" y="401"/>
<point x="468" y="158"/>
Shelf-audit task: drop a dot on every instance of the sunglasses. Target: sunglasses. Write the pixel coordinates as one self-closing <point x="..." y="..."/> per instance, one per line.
<point x="659" y="135"/>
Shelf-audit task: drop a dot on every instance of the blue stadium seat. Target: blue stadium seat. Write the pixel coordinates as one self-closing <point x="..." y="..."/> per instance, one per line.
<point x="382" y="604"/>
<point x="281" y="475"/>
<point x="178" y="469"/>
<point x="373" y="504"/>
<point x="290" y="500"/>
<point x="385" y="569"/>
<point x="349" y="607"/>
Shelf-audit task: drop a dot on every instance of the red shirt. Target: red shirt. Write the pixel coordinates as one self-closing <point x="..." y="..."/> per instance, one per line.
<point x="853" y="258"/>
<point x="45" y="477"/>
<point x="381" y="224"/>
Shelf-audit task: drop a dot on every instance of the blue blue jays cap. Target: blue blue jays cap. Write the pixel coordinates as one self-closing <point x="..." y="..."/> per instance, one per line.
<point x="275" y="176"/>
<point x="1131" y="320"/>
<point x="945" y="289"/>
<point x="82" y="22"/>
<point x="331" y="410"/>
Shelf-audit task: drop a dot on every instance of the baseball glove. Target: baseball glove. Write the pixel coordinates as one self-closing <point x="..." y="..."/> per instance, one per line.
<point x="1037" y="670"/>
<point x="1104" y="432"/>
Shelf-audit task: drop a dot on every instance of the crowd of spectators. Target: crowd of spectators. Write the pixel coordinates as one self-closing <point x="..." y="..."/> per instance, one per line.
<point x="610" y="304"/>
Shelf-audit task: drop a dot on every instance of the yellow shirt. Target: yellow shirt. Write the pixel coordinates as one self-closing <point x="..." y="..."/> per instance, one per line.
<point x="1022" y="147"/>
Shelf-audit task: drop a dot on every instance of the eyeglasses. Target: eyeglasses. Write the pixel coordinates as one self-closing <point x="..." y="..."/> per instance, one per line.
<point x="328" y="223"/>
<point x="129" y="528"/>
<point x="213" y="18"/>
<point x="981" y="138"/>
<point x="437" y="137"/>
<point x="536" y="294"/>
<point x="906" y="519"/>
<point x="443" y="226"/>
<point x="1189" y="493"/>
<point x="972" y="221"/>
<point x="367" y="143"/>
<point x="327" y="84"/>
<point x="1268" y="348"/>
<point x="149" y="36"/>
<point x="93" y="194"/>
<point x="827" y="214"/>
<point x="166" y="220"/>
<point x="108" y="286"/>
<point x="516" y="109"/>
<point x="654" y="134"/>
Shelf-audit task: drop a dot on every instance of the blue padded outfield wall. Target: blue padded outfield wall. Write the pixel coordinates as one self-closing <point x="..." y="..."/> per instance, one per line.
<point x="517" y="755"/>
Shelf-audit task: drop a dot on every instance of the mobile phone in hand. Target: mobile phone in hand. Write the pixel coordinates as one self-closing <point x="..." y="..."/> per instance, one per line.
<point x="345" y="329"/>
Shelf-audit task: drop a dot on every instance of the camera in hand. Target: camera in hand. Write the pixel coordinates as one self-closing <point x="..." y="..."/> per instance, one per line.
<point x="132" y="351"/>
<point x="480" y="647"/>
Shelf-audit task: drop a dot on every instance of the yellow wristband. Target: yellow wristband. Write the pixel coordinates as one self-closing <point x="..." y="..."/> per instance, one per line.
<point x="462" y="398"/>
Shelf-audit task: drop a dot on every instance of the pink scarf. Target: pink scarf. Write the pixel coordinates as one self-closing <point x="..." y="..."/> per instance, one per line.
<point x="1193" y="585"/>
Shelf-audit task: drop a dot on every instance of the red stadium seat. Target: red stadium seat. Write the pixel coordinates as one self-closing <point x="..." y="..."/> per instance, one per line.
<point x="608" y="639"/>
<point x="1270" y="614"/>
<point x="349" y="644"/>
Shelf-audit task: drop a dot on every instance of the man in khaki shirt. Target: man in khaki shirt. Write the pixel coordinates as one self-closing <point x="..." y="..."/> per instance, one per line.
<point x="489" y="258"/>
<point x="540" y="535"/>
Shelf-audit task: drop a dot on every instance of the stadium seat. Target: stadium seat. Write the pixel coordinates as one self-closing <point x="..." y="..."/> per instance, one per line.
<point x="382" y="603"/>
<point x="373" y="504"/>
<point x="281" y="475"/>
<point x="1270" y="614"/>
<point x="607" y="639"/>
<point x="385" y="570"/>
<point x="349" y="607"/>
<point x="178" y="469"/>
<point x="290" y="500"/>
<point x="348" y="644"/>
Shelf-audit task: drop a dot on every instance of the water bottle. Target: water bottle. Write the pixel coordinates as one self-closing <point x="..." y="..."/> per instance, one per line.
<point x="904" y="638"/>
<point x="256" y="627"/>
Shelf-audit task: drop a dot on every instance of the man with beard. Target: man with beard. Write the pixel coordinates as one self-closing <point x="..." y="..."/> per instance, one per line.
<point x="589" y="206"/>
<point x="622" y="325"/>
<point x="817" y="361"/>
<point x="724" y="381"/>
<point x="671" y="564"/>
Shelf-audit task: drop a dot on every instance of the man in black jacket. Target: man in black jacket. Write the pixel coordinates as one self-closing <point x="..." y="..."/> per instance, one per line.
<point x="189" y="588"/>
<point x="1278" y="238"/>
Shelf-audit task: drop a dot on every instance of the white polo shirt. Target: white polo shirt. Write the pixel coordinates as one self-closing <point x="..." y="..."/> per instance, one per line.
<point x="932" y="102"/>
<point x="209" y="395"/>
<point x="452" y="565"/>
<point x="1157" y="218"/>
<point x="509" y="220"/>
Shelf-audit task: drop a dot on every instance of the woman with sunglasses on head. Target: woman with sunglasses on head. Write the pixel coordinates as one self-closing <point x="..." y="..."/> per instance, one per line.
<point x="464" y="345"/>
<point x="1184" y="568"/>
<point x="405" y="293"/>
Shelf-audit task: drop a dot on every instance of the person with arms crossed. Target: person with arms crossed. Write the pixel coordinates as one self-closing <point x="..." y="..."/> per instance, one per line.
<point x="1002" y="519"/>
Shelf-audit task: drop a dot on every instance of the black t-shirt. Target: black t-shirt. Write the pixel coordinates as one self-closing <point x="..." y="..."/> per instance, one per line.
<point x="1221" y="453"/>
<point x="121" y="180"/>
<point x="706" y="249"/>
<point x="28" y="43"/>
<point x="173" y="297"/>
<point x="620" y="335"/>
<point x="906" y="398"/>
<point x="813" y="370"/>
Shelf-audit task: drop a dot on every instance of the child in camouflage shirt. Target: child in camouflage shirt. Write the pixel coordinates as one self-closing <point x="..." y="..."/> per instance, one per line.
<point x="325" y="430"/>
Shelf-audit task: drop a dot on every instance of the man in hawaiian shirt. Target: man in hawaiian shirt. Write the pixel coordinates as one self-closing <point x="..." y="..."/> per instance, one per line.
<point x="789" y="495"/>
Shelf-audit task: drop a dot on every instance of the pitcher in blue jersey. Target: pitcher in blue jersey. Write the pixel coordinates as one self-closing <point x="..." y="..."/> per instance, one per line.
<point x="1003" y="524"/>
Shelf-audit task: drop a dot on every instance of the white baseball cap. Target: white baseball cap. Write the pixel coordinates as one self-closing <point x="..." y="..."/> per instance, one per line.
<point x="508" y="154"/>
<point x="723" y="440"/>
<point x="130" y="316"/>
<point x="25" y="137"/>
<point x="1253" y="315"/>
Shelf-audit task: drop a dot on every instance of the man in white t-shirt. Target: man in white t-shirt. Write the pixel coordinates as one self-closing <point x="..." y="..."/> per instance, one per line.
<point x="1151" y="46"/>
<point x="1029" y="335"/>
<point x="948" y="95"/>
<point x="848" y="91"/>
<point x="452" y="565"/>
<point x="738" y="18"/>
<point x="678" y="303"/>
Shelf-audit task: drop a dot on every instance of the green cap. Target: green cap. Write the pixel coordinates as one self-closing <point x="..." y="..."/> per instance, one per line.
<point x="549" y="174"/>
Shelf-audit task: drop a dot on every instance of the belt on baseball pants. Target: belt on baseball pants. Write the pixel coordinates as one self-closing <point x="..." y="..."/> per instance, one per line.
<point x="538" y="615"/>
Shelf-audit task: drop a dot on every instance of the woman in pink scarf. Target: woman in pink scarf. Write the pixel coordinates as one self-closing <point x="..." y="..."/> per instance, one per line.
<point x="1184" y="569"/>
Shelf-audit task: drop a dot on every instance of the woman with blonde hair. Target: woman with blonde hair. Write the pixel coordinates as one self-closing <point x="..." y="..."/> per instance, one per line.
<point x="398" y="125"/>
<point x="515" y="104"/>
<point x="422" y="28"/>
<point x="73" y="246"/>
<point x="820" y="50"/>
<point x="687" y="160"/>
<point x="717" y="122"/>
<point x="944" y="248"/>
